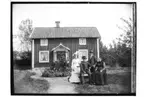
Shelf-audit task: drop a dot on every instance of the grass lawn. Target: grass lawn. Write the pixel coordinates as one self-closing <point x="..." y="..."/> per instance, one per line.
<point x="119" y="81"/>
<point x="24" y="84"/>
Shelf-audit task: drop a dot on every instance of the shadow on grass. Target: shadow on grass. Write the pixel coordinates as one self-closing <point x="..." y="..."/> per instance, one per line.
<point x="29" y="85"/>
<point x="22" y="66"/>
<point x="118" y="83"/>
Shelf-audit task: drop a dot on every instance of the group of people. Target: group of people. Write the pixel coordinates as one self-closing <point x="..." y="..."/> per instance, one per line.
<point x="94" y="69"/>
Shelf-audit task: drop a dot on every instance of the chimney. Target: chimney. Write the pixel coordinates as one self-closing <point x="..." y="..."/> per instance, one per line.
<point x="57" y="24"/>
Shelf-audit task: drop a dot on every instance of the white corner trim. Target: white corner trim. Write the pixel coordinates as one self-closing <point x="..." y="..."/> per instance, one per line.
<point x="32" y="53"/>
<point x="30" y="36"/>
<point x="98" y="49"/>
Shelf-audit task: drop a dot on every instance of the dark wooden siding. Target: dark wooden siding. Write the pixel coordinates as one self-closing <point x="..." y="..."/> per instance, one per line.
<point x="73" y="44"/>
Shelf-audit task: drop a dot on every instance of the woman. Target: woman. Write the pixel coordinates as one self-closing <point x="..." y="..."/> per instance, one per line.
<point x="75" y="66"/>
<point x="101" y="76"/>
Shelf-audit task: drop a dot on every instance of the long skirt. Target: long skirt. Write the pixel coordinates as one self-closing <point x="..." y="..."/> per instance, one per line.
<point x="75" y="74"/>
<point x="100" y="78"/>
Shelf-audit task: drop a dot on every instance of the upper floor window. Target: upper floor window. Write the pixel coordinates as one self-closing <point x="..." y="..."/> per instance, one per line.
<point x="82" y="41"/>
<point x="43" y="42"/>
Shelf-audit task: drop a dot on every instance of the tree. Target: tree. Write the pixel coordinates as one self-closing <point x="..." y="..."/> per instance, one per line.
<point x="127" y="35"/>
<point x="25" y="29"/>
<point x="106" y="54"/>
<point x="119" y="53"/>
<point x="124" y="45"/>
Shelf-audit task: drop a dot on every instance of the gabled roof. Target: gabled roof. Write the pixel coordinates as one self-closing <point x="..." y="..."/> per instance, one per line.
<point x="60" y="46"/>
<point x="64" y="32"/>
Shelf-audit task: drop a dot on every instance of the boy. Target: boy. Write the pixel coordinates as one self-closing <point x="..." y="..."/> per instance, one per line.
<point x="84" y="66"/>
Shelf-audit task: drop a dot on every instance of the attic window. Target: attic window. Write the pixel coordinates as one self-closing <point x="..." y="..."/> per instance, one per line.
<point x="82" y="41"/>
<point x="43" y="42"/>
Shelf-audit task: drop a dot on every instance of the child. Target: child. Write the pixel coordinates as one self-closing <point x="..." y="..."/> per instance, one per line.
<point x="84" y="66"/>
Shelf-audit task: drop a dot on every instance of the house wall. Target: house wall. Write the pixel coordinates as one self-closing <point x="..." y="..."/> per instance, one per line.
<point x="72" y="43"/>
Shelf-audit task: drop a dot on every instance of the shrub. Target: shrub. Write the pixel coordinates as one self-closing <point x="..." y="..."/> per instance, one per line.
<point x="56" y="73"/>
<point x="21" y="60"/>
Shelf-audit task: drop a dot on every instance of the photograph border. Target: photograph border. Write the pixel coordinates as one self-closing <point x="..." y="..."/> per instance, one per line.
<point x="133" y="54"/>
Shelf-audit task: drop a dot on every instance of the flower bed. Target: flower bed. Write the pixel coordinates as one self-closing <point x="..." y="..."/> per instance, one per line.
<point x="55" y="73"/>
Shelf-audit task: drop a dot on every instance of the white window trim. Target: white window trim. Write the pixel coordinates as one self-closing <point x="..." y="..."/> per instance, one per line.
<point x="41" y="43"/>
<point x="44" y="61"/>
<point x="86" y="51"/>
<point x="82" y="41"/>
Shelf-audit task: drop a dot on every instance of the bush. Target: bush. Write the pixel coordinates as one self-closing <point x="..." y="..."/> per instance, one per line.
<point x="21" y="60"/>
<point x="61" y="65"/>
<point x="56" y="73"/>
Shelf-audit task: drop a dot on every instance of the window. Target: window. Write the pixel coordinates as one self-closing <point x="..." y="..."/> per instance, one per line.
<point x="43" y="42"/>
<point x="83" y="52"/>
<point x="82" y="41"/>
<point x="43" y="56"/>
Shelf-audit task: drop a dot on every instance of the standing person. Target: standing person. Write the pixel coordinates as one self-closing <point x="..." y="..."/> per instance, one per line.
<point x="101" y="72"/>
<point x="93" y="61"/>
<point x="75" y="66"/>
<point x="84" y="70"/>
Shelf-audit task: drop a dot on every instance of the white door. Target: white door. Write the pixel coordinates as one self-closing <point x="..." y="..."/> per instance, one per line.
<point x="83" y="52"/>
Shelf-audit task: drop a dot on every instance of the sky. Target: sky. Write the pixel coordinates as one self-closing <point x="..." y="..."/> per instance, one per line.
<point x="105" y="17"/>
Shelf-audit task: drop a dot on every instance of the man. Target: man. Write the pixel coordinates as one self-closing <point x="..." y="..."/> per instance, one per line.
<point x="84" y="66"/>
<point x="92" y="59"/>
<point x="93" y="62"/>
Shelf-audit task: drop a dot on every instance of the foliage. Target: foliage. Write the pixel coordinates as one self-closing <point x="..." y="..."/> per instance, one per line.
<point x="25" y="29"/>
<point x="22" y="60"/>
<point x="60" y="65"/>
<point x="119" y="52"/>
<point x="54" y="73"/>
<point x="57" y="69"/>
<point x="127" y="35"/>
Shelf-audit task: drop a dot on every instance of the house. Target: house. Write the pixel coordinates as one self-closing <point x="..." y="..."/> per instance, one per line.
<point x="51" y="43"/>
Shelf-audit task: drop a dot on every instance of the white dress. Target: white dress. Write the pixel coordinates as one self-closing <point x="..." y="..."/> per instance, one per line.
<point x="75" y="71"/>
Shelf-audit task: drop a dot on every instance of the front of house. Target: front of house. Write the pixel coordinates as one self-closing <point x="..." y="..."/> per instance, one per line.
<point x="49" y="44"/>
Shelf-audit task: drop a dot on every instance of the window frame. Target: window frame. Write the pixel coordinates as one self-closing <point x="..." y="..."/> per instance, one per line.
<point x="87" y="57"/>
<point x="41" y="61"/>
<point x="82" y="41"/>
<point x="45" y="43"/>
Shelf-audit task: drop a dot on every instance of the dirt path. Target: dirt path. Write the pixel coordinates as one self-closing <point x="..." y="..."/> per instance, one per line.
<point x="60" y="85"/>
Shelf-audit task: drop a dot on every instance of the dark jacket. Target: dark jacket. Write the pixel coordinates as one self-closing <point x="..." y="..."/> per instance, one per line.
<point x="92" y="60"/>
<point x="84" y="66"/>
<point x="100" y="66"/>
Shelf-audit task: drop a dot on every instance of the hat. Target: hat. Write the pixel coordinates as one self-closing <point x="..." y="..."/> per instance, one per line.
<point x="91" y="51"/>
<point x="83" y="57"/>
<point x="76" y="53"/>
<point x="99" y="59"/>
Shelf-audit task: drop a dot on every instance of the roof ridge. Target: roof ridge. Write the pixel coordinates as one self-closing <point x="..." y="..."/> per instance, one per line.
<point x="62" y="32"/>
